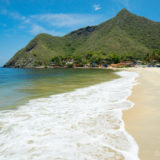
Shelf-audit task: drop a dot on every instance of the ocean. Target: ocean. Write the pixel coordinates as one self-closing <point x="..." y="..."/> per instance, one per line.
<point x="65" y="114"/>
<point x="18" y="86"/>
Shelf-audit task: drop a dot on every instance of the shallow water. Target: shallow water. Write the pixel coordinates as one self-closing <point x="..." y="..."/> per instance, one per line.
<point x="85" y="124"/>
<point x="17" y="86"/>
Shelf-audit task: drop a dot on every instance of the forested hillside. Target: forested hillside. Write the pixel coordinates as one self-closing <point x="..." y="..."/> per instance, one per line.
<point x="124" y="37"/>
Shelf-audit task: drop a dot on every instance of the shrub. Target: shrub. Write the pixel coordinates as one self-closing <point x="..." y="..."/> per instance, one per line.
<point x="70" y="65"/>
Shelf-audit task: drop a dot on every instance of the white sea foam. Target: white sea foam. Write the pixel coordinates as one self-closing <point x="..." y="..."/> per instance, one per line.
<point x="85" y="124"/>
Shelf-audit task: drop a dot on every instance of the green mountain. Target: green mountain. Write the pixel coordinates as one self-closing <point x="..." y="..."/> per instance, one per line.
<point x="125" y="34"/>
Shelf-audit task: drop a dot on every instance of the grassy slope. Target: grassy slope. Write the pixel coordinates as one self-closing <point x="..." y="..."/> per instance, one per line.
<point x="125" y="33"/>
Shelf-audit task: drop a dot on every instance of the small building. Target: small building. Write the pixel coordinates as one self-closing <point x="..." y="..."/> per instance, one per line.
<point x="85" y="65"/>
<point x="118" y="65"/>
<point x="158" y="65"/>
<point x="94" y="64"/>
<point x="129" y="63"/>
<point x="68" y="61"/>
<point x="106" y="65"/>
<point x="123" y="64"/>
<point x="76" y="65"/>
<point x="150" y="65"/>
<point x="138" y="62"/>
<point x="53" y="64"/>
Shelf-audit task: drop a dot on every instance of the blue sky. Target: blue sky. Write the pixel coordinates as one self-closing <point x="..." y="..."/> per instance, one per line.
<point x="21" y="20"/>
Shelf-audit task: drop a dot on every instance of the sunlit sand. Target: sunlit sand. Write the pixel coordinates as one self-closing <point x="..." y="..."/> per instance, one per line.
<point x="143" y="120"/>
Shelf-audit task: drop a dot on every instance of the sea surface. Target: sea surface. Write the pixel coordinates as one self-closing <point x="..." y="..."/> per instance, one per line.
<point x="65" y="114"/>
<point x="18" y="86"/>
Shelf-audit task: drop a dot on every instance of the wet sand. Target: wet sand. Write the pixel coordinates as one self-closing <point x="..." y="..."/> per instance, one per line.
<point x="143" y="120"/>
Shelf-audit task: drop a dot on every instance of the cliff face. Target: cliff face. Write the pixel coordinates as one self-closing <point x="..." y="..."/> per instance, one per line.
<point x="125" y="33"/>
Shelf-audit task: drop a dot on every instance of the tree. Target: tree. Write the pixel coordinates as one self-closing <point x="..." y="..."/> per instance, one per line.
<point x="113" y="58"/>
<point x="57" y="60"/>
<point x="153" y="56"/>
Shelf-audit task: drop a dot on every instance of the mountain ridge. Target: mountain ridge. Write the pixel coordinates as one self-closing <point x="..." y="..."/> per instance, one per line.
<point x="126" y="33"/>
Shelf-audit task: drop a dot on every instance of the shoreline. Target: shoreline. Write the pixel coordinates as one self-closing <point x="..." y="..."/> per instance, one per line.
<point x="83" y="121"/>
<point x="46" y="83"/>
<point x="142" y="120"/>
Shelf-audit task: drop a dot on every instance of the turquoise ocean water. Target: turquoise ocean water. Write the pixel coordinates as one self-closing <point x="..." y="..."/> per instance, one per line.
<point x="17" y="86"/>
<point x="65" y="114"/>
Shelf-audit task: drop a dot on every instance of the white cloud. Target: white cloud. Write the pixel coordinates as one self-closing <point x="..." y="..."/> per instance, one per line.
<point x="48" y="23"/>
<point x="125" y="3"/>
<point x="14" y="15"/>
<point x="52" y="23"/>
<point x="36" y="29"/>
<point x="67" y="20"/>
<point x="96" y="7"/>
<point x="27" y="20"/>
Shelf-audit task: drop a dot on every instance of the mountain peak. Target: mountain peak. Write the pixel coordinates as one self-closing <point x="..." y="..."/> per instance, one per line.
<point x="127" y="34"/>
<point x="123" y="12"/>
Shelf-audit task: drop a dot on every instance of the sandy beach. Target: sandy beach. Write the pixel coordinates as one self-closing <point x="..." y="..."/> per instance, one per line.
<point x="143" y="120"/>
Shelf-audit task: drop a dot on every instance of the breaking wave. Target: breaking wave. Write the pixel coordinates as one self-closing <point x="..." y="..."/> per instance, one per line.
<point x="85" y="124"/>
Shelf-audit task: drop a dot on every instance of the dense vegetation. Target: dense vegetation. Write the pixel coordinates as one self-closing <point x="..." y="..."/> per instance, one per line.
<point x="153" y="57"/>
<point x="124" y="37"/>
